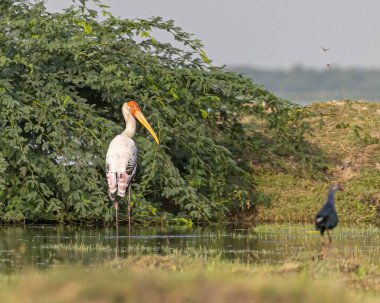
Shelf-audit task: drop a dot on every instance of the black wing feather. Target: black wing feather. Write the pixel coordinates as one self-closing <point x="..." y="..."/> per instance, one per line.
<point x="326" y="218"/>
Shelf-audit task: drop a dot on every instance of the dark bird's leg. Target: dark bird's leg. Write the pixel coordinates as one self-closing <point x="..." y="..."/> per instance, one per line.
<point x="330" y="240"/>
<point x="329" y="245"/>
<point x="322" y="231"/>
<point x="323" y="247"/>
<point x="324" y="251"/>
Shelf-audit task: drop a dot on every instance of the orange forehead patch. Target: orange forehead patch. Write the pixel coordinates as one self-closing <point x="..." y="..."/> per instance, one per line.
<point x="133" y="106"/>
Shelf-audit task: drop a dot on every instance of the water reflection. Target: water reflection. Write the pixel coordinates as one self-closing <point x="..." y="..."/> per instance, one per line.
<point x="46" y="246"/>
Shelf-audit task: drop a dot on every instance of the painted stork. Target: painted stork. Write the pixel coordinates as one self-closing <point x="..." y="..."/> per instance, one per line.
<point x="327" y="217"/>
<point x="121" y="158"/>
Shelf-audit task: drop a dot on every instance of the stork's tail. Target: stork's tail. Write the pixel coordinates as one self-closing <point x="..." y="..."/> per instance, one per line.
<point x="122" y="183"/>
<point x="117" y="184"/>
<point x="112" y="185"/>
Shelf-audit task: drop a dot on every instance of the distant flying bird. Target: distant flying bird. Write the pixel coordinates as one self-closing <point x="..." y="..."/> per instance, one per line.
<point x="325" y="49"/>
<point x="121" y="158"/>
<point x="327" y="217"/>
<point x="329" y="65"/>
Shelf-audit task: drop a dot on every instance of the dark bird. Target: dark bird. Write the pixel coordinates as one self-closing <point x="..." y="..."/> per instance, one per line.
<point x="325" y="49"/>
<point x="327" y="217"/>
<point x="121" y="158"/>
<point x="329" y="65"/>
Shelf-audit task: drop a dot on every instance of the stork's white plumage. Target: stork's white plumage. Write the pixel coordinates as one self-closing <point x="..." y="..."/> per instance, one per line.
<point x="121" y="158"/>
<point x="121" y="162"/>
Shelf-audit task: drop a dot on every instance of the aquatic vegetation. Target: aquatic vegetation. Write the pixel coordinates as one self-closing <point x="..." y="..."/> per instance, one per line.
<point x="77" y="247"/>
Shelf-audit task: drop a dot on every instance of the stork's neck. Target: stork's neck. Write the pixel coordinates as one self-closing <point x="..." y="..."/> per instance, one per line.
<point x="130" y="124"/>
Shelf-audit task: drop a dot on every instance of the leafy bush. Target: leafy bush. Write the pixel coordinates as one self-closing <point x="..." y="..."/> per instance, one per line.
<point x="63" y="79"/>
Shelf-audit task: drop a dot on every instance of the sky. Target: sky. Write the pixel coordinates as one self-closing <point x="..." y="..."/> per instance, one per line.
<point x="270" y="34"/>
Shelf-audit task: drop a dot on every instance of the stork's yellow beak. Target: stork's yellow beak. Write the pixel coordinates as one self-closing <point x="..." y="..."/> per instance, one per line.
<point x="140" y="116"/>
<point x="136" y="112"/>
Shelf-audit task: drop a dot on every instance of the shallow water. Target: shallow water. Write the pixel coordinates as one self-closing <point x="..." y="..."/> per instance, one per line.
<point x="47" y="246"/>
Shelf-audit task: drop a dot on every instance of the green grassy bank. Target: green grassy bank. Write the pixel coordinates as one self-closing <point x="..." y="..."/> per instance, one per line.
<point x="347" y="136"/>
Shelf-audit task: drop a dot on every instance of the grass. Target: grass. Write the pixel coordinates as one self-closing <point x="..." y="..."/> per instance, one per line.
<point x="348" y="135"/>
<point x="181" y="278"/>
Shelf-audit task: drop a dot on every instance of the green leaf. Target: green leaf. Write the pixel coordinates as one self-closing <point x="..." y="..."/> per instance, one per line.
<point x="173" y="93"/>
<point x="86" y="27"/>
<point x="66" y="100"/>
<point x="204" y="113"/>
<point x="204" y="57"/>
<point x="144" y="34"/>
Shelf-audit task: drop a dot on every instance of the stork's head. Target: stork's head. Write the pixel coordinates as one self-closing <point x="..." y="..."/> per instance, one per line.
<point x="336" y="187"/>
<point x="135" y="110"/>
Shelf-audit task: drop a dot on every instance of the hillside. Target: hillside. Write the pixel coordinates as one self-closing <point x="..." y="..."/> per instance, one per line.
<point x="304" y="85"/>
<point x="347" y="134"/>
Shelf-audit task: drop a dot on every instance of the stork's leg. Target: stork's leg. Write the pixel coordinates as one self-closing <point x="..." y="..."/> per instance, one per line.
<point x="129" y="210"/>
<point x="116" y="204"/>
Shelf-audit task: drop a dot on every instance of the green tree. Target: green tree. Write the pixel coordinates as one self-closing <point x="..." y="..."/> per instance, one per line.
<point x="63" y="79"/>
